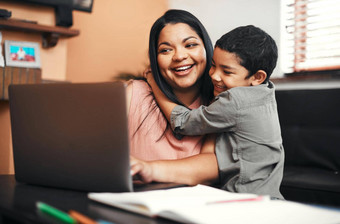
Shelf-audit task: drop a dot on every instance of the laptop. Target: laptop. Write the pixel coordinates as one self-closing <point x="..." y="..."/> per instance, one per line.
<point x="72" y="136"/>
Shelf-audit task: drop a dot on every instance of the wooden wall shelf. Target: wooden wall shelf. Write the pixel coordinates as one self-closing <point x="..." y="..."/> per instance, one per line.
<point x="50" y="34"/>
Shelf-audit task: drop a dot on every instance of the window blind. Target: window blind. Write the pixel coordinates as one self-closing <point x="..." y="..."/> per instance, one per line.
<point x="311" y="39"/>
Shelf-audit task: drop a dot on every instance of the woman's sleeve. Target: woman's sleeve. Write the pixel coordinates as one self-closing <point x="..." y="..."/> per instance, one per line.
<point x="220" y="116"/>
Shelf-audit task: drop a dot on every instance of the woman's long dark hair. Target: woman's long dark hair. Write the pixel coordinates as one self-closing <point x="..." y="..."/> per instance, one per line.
<point x="174" y="16"/>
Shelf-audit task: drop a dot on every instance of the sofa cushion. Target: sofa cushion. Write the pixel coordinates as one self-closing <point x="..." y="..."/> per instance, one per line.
<point x="312" y="146"/>
<point x="312" y="178"/>
<point x="312" y="185"/>
<point x="310" y="126"/>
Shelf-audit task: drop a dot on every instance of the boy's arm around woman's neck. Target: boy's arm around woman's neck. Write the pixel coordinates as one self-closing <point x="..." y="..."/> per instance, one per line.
<point x="163" y="102"/>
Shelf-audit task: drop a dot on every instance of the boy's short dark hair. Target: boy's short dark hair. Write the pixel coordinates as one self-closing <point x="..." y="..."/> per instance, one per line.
<point x="255" y="48"/>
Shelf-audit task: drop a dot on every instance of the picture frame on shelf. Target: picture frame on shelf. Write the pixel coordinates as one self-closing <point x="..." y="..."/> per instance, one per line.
<point x="22" y="54"/>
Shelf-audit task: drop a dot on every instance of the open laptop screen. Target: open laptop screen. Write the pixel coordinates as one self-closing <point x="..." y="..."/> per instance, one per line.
<point x="71" y="136"/>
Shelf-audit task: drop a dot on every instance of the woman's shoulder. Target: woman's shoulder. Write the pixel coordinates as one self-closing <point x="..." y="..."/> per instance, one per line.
<point x="141" y="94"/>
<point x="143" y="111"/>
<point x="139" y="87"/>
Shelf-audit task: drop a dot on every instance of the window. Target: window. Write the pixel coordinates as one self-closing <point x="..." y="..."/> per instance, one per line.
<point x="311" y="39"/>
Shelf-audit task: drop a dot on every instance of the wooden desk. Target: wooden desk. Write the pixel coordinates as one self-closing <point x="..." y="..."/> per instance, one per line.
<point x="18" y="204"/>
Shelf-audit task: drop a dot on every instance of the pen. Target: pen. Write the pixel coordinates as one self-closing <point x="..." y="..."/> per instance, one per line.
<point x="82" y="219"/>
<point x="259" y="198"/>
<point x="56" y="213"/>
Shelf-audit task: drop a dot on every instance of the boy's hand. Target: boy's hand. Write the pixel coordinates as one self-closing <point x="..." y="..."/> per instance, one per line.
<point x="147" y="72"/>
<point x="150" y="79"/>
<point x="141" y="169"/>
<point x="164" y="103"/>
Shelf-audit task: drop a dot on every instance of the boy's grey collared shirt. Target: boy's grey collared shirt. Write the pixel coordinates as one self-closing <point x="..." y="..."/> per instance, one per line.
<point x="248" y="147"/>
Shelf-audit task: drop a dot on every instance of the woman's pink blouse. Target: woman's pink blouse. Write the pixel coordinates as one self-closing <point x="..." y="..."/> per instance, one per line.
<point x="148" y="141"/>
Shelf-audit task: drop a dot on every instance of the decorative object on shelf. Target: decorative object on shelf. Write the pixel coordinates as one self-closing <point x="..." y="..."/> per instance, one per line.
<point x="22" y="54"/>
<point x="83" y="5"/>
<point x="4" y="13"/>
<point x="63" y="16"/>
<point x="63" y="13"/>
<point x="16" y="75"/>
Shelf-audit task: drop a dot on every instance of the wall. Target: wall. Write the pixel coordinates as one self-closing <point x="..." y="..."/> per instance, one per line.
<point x="6" y="157"/>
<point x="53" y="60"/>
<point x="113" y="39"/>
<point x="53" y="65"/>
<point x="221" y="16"/>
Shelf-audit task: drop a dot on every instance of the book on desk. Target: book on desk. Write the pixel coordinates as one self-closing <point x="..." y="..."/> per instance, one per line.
<point x="204" y="204"/>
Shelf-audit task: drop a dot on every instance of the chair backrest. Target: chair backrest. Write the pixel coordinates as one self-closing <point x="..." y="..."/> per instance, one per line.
<point x="310" y="124"/>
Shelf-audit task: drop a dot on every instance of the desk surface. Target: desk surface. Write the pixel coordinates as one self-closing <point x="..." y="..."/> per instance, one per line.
<point x="18" y="204"/>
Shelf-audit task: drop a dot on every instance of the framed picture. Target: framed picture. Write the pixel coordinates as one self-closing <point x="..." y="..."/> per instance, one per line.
<point x="22" y="54"/>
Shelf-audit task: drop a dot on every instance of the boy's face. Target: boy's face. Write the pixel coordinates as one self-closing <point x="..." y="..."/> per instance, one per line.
<point x="226" y="71"/>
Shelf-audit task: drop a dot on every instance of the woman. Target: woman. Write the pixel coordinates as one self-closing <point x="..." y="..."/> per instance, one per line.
<point x="151" y="139"/>
<point x="180" y="54"/>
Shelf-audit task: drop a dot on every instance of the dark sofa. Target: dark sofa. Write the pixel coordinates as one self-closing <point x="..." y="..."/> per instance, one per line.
<point x="310" y="124"/>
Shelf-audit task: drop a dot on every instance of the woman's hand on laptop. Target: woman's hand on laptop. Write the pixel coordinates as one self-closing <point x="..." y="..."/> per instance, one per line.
<point x="141" y="170"/>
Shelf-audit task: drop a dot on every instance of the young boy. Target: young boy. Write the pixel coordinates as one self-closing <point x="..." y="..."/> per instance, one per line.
<point x="248" y="147"/>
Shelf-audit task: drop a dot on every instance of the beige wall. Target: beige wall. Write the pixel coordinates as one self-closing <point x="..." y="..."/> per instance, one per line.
<point x="113" y="39"/>
<point x="56" y="70"/>
<point x="53" y="60"/>
<point x="6" y="157"/>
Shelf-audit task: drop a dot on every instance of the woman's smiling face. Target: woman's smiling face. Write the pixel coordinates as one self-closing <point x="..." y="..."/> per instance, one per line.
<point x="181" y="55"/>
